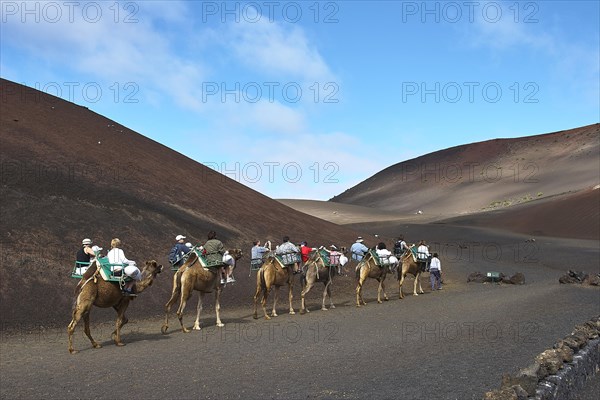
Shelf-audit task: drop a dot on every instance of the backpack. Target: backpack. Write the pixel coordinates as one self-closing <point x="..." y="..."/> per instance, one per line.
<point x="173" y="256"/>
<point x="398" y="248"/>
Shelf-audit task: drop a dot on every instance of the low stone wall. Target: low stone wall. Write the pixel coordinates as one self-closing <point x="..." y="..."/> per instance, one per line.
<point x="556" y="373"/>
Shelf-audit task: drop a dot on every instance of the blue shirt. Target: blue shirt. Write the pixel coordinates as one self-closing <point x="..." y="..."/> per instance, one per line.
<point x="258" y="251"/>
<point x="358" y="251"/>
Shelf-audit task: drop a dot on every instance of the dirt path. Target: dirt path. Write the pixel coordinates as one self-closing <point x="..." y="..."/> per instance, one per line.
<point x="449" y="344"/>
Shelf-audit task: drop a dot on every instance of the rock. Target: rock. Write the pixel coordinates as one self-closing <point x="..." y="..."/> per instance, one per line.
<point x="526" y="378"/>
<point x="477" y="277"/>
<point x="594" y="280"/>
<point x="572" y="342"/>
<point x="520" y="392"/>
<point x="502" y="394"/>
<point x="517" y="279"/>
<point x="587" y="331"/>
<point x="550" y="362"/>
<point x="564" y="351"/>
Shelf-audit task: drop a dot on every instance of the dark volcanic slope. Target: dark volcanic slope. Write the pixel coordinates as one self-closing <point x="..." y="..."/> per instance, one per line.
<point x="69" y="173"/>
<point x="486" y="175"/>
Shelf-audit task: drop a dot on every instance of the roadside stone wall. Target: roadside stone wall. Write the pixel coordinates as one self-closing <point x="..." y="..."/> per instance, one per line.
<point x="556" y="373"/>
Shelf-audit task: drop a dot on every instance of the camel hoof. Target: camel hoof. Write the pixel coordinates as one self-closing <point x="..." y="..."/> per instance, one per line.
<point x="332" y="306"/>
<point x="415" y="294"/>
<point x="255" y="316"/>
<point x="96" y="345"/>
<point x="197" y="328"/>
<point x="302" y="311"/>
<point x="379" y="301"/>
<point x="386" y="299"/>
<point x="120" y="344"/>
<point x="73" y="351"/>
<point x="292" y="312"/>
<point x="267" y="317"/>
<point x="274" y="315"/>
<point x="185" y="330"/>
<point x="164" y="329"/>
<point x="220" y="324"/>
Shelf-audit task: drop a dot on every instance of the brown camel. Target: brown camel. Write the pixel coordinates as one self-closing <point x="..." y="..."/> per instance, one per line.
<point x="272" y="274"/>
<point x="368" y="268"/>
<point x="192" y="275"/>
<point x="316" y="271"/>
<point x="95" y="291"/>
<point x="409" y="266"/>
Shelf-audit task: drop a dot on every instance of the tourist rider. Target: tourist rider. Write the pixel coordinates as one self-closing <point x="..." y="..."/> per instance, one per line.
<point x="214" y="253"/>
<point x="180" y="250"/>
<point x="117" y="256"/>
<point x="85" y="254"/>
<point x="423" y="255"/>
<point x="358" y="249"/>
<point x="287" y="249"/>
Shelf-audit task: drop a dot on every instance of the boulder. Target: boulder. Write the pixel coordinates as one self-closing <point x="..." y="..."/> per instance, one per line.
<point x="477" y="277"/>
<point x="564" y="351"/>
<point x="550" y="362"/>
<point x="594" y="280"/>
<point x="517" y="279"/>
<point x="526" y="378"/>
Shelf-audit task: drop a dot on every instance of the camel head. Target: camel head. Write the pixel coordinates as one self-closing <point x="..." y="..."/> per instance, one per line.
<point x="151" y="269"/>
<point x="236" y="253"/>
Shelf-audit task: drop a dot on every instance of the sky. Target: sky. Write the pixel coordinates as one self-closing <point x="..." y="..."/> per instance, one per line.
<point x="305" y="99"/>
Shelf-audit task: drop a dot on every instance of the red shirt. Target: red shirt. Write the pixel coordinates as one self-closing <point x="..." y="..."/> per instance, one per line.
<point x="305" y="250"/>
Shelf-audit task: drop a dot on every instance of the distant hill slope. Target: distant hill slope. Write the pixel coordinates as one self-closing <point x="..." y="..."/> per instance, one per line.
<point x="485" y="176"/>
<point x="69" y="173"/>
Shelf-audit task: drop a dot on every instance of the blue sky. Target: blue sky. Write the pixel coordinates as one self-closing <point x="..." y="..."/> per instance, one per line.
<point x="306" y="99"/>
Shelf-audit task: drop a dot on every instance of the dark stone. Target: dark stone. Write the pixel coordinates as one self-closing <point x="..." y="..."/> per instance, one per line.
<point x="517" y="279"/>
<point x="594" y="280"/>
<point x="550" y="361"/>
<point x="501" y="394"/>
<point x="477" y="277"/>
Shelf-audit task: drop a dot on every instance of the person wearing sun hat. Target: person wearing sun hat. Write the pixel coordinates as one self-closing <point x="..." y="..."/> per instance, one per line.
<point x="85" y="254"/>
<point x="358" y="249"/>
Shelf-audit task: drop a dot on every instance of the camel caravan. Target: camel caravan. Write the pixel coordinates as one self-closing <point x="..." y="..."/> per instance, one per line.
<point x="114" y="281"/>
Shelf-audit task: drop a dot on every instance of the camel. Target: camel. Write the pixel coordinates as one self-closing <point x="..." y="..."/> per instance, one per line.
<point x="92" y="290"/>
<point x="317" y="271"/>
<point x="367" y="268"/>
<point x="193" y="276"/>
<point x="271" y="274"/>
<point x="409" y="266"/>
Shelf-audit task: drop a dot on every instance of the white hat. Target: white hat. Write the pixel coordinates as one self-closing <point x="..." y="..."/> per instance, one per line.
<point x="179" y="237"/>
<point x="188" y="244"/>
<point x="359" y="239"/>
<point x="97" y="249"/>
<point x="86" y="241"/>
<point x="333" y="247"/>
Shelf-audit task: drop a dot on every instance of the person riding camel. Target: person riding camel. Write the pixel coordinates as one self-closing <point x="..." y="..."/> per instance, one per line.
<point x="117" y="256"/>
<point x="286" y="249"/>
<point x="214" y="253"/>
<point x="358" y="249"/>
<point x="423" y="255"/>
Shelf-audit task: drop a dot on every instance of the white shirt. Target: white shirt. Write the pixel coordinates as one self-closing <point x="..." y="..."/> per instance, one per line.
<point x="422" y="252"/>
<point x="116" y="256"/>
<point x="435" y="264"/>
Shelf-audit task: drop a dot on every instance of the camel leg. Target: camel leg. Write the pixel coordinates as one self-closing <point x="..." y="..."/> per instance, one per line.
<point x="275" y="296"/>
<point x="307" y="288"/>
<point x="256" y="295"/>
<point x="198" y="311"/>
<point x="174" y="294"/>
<point x="400" y="282"/>
<point x="325" y="293"/>
<point x="417" y="282"/>
<point x="329" y="294"/>
<point x="78" y="312"/>
<point x="418" y="278"/>
<point x="291" y="295"/>
<point x="121" y="320"/>
<point x="385" y="296"/>
<point x="218" y="307"/>
<point x="88" y="333"/>
<point x="263" y="302"/>
<point x="185" y="295"/>
<point x="359" y="298"/>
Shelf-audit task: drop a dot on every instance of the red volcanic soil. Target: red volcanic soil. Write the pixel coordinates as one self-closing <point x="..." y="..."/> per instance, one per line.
<point x="485" y="176"/>
<point x="69" y="173"/>
<point x="574" y="215"/>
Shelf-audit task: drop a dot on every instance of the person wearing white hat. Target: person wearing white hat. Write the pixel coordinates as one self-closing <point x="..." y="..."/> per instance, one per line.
<point x="85" y="255"/>
<point x="178" y="251"/>
<point x="358" y="249"/>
